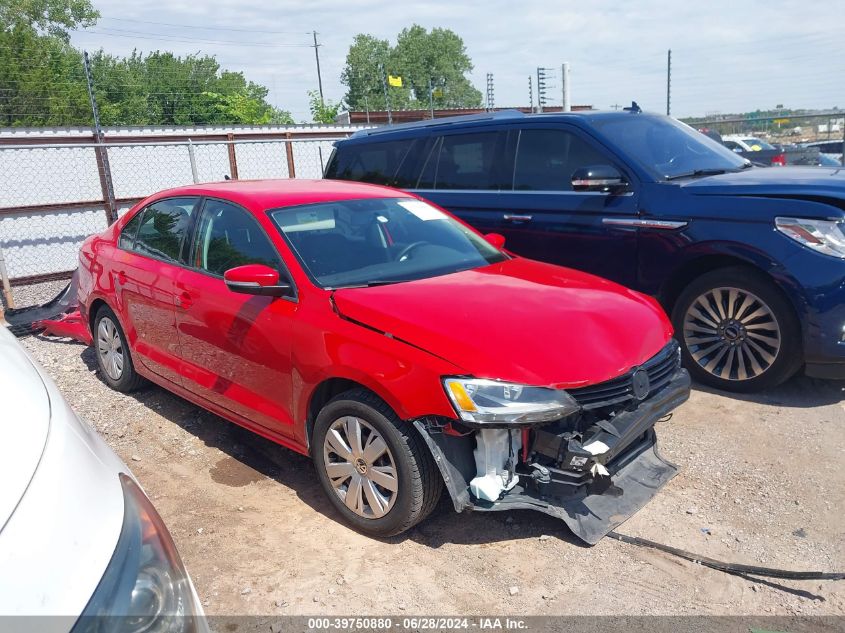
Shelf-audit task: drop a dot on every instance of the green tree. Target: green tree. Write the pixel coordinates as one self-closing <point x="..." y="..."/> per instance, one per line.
<point x="438" y="56"/>
<point x="51" y="17"/>
<point x="363" y="75"/>
<point x="322" y="111"/>
<point x="419" y="56"/>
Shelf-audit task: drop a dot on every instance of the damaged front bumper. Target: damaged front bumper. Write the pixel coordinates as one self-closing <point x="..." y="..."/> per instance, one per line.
<point x="593" y="477"/>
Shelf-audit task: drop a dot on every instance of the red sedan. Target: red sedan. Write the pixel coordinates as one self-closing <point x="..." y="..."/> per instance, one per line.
<point x="400" y="349"/>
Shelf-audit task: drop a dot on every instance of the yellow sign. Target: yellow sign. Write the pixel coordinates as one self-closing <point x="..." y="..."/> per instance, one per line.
<point x="394" y="81"/>
<point x="437" y="92"/>
<point x="781" y="121"/>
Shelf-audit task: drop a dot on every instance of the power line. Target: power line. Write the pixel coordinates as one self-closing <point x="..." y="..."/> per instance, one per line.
<point x="188" y="40"/>
<point x="207" y="28"/>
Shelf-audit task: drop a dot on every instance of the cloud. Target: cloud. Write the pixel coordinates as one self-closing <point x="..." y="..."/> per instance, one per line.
<point x="727" y="56"/>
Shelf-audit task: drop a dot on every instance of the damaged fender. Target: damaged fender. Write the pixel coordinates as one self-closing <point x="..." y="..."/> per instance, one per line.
<point x="589" y="503"/>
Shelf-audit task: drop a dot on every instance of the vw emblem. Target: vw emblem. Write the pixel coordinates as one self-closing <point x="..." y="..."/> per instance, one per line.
<point x="640" y="384"/>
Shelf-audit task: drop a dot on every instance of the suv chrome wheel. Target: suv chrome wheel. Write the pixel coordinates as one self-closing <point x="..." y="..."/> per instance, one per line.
<point x="110" y="348"/>
<point x="360" y="467"/>
<point x="731" y="333"/>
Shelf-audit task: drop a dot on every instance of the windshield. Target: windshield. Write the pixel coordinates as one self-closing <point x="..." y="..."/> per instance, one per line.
<point x="668" y="148"/>
<point x="379" y="240"/>
<point x="756" y="144"/>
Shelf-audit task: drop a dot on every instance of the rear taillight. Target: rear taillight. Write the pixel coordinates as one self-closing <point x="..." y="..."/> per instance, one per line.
<point x="779" y="160"/>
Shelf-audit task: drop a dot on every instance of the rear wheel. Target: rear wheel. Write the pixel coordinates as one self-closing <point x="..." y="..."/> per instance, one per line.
<point x="737" y="331"/>
<point x="113" y="357"/>
<point x="374" y="467"/>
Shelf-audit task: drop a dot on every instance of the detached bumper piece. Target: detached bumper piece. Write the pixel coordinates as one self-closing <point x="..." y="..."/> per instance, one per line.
<point x="58" y="317"/>
<point x="593" y="470"/>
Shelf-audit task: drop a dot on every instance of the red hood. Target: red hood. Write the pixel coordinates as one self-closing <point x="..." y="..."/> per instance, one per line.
<point x="520" y="320"/>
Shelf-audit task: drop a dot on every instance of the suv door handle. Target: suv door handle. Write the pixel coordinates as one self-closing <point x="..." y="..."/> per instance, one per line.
<point x="516" y="218"/>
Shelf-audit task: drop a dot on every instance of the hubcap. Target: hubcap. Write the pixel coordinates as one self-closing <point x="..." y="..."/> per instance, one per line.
<point x="732" y="334"/>
<point x="360" y="467"/>
<point x="110" y="349"/>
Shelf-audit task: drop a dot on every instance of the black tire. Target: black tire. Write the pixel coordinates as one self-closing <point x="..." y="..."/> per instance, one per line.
<point x="757" y="287"/>
<point x="129" y="379"/>
<point x="419" y="483"/>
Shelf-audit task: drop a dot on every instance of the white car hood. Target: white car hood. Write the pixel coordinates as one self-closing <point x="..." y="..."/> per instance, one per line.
<point x="60" y="497"/>
<point x="24" y="424"/>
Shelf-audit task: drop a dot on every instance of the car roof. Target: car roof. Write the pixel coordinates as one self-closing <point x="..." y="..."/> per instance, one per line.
<point x="491" y="118"/>
<point x="267" y="194"/>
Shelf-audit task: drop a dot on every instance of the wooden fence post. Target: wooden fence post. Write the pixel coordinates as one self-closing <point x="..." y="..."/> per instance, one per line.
<point x="289" y="152"/>
<point x="233" y="159"/>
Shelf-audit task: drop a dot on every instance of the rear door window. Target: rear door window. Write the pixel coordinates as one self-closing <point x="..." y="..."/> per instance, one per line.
<point x="164" y="228"/>
<point x="466" y="161"/>
<point x="546" y="159"/>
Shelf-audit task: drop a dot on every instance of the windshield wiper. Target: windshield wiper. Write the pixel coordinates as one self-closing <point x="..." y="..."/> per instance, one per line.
<point x="707" y="172"/>
<point x="697" y="172"/>
<point x="370" y="284"/>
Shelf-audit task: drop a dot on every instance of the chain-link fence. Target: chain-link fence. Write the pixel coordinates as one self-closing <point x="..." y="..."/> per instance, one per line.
<point x="57" y="194"/>
<point x="824" y="131"/>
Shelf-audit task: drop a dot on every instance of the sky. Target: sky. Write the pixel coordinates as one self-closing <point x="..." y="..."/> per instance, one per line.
<point x="727" y="57"/>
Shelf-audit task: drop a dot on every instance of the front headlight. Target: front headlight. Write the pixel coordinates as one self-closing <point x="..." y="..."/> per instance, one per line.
<point x="824" y="236"/>
<point x="145" y="587"/>
<point x="490" y="403"/>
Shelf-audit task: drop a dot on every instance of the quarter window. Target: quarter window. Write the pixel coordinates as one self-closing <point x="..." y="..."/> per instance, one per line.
<point x="127" y="235"/>
<point x="227" y="237"/>
<point x="164" y="227"/>
<point x="546" y="159"/>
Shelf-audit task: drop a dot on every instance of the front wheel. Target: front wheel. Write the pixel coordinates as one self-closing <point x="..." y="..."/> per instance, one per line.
<point x="374" y="467"/>
<point x="737" y="332"/>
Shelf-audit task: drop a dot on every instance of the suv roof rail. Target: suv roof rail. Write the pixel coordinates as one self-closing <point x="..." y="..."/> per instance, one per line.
<point x="483" y="116"/>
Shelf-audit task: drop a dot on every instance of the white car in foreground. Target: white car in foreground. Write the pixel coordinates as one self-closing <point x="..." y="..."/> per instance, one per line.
<point x="78" y="536"/>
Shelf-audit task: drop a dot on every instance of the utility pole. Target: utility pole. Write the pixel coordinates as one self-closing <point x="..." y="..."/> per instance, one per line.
<point x="319" y="76"/>
<point x="530" y="95"/>
<point x="430" y="98"/>
<point x="565" y="89"/>
<point x="489" y="91"/>
<point x="669" y="83"/>
<point x="541" y="88"/>
<point x="386" y="98"/>
<point x="102" y="155"/>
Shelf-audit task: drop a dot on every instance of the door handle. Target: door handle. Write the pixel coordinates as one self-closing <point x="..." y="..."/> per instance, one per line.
<point x="184" y="299"/>
<point x="120" y="277"/>
<point x="517" y="218"/>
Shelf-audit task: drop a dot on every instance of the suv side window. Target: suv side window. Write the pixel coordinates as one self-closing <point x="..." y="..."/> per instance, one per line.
<point x="371" y="162"/>
<point x="546" y="159"/>
<point x="164" y="228"/>
<point x="227" y="236"/>
<point x="466" y="161"/>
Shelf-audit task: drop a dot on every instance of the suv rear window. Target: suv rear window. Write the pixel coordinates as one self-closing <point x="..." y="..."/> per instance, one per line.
<point x="371" y="162"/>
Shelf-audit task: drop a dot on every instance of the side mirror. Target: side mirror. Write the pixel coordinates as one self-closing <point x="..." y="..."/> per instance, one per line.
<point x="602" y="178"/>
<point x="496" y="240"/>
<point x="255" y="279"/>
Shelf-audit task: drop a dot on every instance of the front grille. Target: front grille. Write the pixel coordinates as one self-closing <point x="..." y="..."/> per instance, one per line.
<point x="660" y="367"/>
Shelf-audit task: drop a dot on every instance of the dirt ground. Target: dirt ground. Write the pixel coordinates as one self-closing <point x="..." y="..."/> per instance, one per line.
<point x="761" y="482"/>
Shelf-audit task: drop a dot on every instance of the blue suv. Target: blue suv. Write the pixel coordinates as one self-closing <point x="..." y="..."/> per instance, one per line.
<point x="748" y="261"/>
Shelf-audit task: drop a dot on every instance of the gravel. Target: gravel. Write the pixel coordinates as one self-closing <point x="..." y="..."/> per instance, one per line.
<point x="763" y="473"/>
